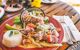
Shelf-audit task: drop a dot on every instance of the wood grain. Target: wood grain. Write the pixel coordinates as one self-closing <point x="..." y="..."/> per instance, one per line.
<point x="61" y="8"/>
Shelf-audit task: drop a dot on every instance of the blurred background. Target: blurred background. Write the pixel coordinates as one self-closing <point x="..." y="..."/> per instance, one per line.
<point x="74" y="3"/>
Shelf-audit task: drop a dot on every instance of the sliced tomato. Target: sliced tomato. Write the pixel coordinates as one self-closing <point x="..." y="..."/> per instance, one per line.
<point x="31" y="25"/>
<point x="52" y="38"/>
<point x="49" y="38"/>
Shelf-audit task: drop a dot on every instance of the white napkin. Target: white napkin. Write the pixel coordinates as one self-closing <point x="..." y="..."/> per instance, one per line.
<point x="72" y="28"/>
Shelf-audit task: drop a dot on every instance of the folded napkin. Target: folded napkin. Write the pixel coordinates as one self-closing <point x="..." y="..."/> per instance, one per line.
<point x="73" y="28"/>
<point x="70" y="31"/>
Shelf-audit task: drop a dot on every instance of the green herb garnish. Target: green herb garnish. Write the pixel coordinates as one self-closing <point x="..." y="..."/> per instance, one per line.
<point x="46" y="21"/>
<point x="17" y="20"/>
<point x="11" y="33"/>
<point x="15" y="33"/>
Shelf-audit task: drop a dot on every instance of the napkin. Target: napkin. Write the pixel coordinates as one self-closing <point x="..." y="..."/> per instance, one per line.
<point x="71" y="28"/>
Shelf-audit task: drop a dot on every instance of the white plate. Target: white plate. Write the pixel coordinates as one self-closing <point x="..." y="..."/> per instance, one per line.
<point x="49" y="1"/>
<point x="11" y="9"/>
<point x="1" y="12"/>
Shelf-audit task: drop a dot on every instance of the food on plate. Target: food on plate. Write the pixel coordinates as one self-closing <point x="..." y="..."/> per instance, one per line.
<point x="13" y="5"/>
<point x="37" y="32"/>
<point x="12" y="38"/>
<point x="8" y="27"/>
<point x="35" y="12"/>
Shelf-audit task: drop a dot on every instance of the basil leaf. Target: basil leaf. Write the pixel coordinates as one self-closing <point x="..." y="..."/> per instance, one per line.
<point x="46" y="21"/>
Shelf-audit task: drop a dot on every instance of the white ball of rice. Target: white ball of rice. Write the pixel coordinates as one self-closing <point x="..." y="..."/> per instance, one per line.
<point x="13" y="40"/>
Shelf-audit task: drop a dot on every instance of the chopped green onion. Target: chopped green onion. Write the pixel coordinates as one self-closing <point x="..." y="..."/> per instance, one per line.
<point x="46" y="21"/>
<point x="15" y="32"/>
<point x="11" y="33"/>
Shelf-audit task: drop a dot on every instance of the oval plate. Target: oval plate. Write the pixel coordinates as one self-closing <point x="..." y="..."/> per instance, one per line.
<point x="10" y="22"/>
<point x="49" y="2"/>
<point x="11" y="9"/>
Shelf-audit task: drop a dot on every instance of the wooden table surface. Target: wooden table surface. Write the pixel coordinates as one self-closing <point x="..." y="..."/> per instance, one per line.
<point x="61" y="8"/>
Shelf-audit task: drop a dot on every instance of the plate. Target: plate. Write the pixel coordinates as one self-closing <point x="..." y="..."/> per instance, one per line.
<point x="1" y="12"/>
<point x="49" y="1"/>
<point x="10" y="22"/>
<point x="11" y="9"/>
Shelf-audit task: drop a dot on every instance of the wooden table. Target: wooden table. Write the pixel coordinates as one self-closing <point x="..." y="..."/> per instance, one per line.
<point x="61" y="8"/>
<point x="58" y="8"/>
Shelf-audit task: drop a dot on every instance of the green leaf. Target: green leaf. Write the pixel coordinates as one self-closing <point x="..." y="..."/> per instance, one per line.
<point x="17" y="20"/>
<point x="46" y="21"/>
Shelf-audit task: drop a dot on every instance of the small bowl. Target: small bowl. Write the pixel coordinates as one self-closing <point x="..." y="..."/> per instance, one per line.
<point x="49" y="2"/>
<point x="30" y="10"/>
<point x="1" y="12"/>
<point x="11" y="9"/>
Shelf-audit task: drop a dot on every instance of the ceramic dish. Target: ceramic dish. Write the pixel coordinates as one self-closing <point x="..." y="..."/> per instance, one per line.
<point x="13" y="9"/>
<point x="28" y="32"/>
<point x="10" y="22"/>
<point x="1" y="12"/>
<point x="49" y="1"/>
